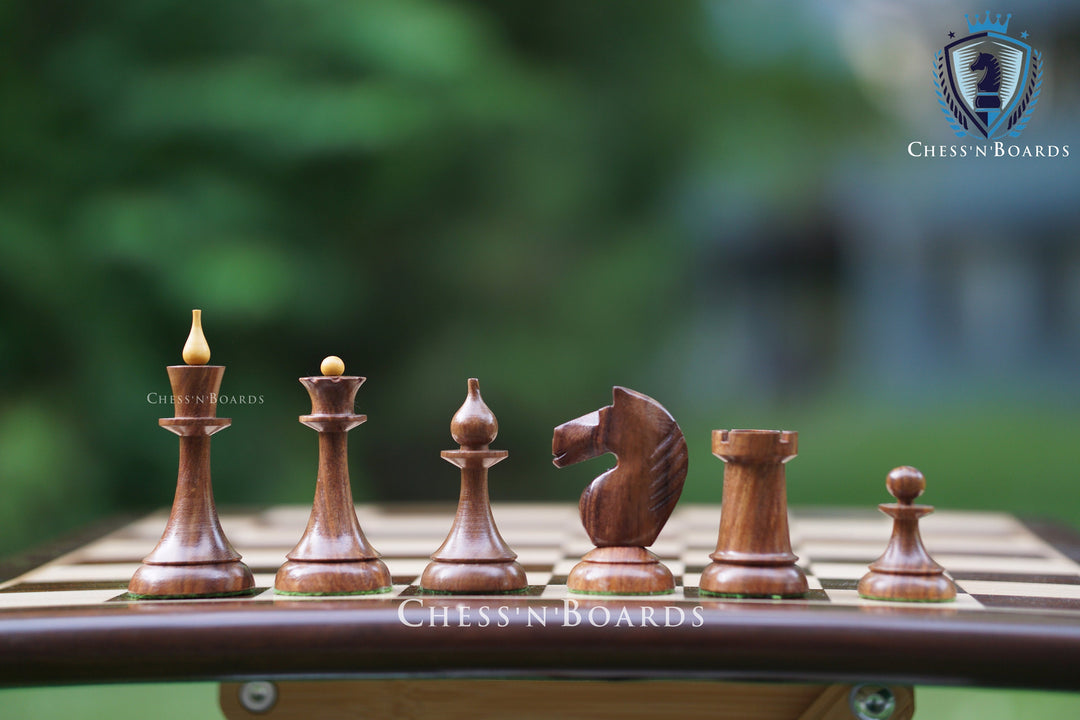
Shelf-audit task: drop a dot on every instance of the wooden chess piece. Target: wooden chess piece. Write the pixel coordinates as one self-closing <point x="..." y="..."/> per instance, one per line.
<point x="193" y="557"/>
<point x="753" y="555"/>
<point x="905" y="571"/>
<point x="624" y="509"/>
<point x="474" y="558"/>
<point x="333" y="557"/>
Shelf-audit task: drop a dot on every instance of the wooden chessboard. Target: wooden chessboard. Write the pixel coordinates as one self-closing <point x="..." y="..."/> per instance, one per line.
<point x="1016" y="621"/>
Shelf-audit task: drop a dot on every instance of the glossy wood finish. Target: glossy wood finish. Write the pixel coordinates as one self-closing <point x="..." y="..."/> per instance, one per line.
<point x="474" y="558"/>
<point x="627" y="506"/>
<point x="905" y="571"/>
<point x="753" y="556"/>
<point x="193" y="557"/>
<point x="565" y="699"/>
<point x="333" y="557"/>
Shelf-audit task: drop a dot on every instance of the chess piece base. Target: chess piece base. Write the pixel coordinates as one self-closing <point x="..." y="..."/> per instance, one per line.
<point x="770" y="581"/>
<point x="197" y="580"/>
<point x="358" y="577"/>
<point x="906" y="588"/>
<point x="473" y="577"/>
<point x="620" y="570"/>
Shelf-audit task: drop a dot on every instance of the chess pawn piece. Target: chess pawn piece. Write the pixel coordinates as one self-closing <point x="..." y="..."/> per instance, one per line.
<point x="333" y="557"/>
<point x="474" y="558"/>
<point x="193" y="557"/>
<point x="624" y="509"/>
<point x="753" y="555"/>
<point x="905" y="571"/>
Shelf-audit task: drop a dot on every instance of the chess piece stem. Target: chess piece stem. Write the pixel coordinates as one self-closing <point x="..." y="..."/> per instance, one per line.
<point x="753" y="556"/>
<point x="333" y="557"/>
<point x="474" y="558"/>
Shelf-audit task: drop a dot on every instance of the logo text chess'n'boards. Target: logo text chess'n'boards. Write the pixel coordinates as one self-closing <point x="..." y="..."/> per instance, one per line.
<point x="988" y="85"/>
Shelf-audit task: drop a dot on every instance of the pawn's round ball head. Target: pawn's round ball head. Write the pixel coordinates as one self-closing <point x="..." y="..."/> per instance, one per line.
<point x="905" y="483"/>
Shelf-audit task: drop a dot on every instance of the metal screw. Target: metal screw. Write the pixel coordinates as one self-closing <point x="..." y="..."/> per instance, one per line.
<point x="259" y="696"/>
<point x="872" y="702"/>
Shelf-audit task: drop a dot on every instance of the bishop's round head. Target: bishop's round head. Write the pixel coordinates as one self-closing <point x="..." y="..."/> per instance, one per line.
<point x="474" y="425"/>
<point x="905" y="483"/>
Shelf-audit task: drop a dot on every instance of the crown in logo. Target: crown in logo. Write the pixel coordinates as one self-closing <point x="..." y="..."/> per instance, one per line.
<point x="986" y="24"/>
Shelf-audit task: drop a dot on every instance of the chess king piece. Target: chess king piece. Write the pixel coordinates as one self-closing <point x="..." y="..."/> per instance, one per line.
<point x="905" y="571"/>
<point x="753" y="555"/>
<point x="333" y="557"/>
<point x="193" y="557"/>
<point x="624" y="509"/>
<point x="474" y="558"/>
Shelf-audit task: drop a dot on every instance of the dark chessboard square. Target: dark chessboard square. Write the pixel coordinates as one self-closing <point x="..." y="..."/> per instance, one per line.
<point x="696" y="568"/>
<point x="1017" y="577"/>
<point x="838" y="584"/>
<point x="66" y="586"/>
<point x="557" y="580"/>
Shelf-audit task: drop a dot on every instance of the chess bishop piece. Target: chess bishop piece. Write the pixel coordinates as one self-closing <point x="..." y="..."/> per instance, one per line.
<point x="474" y="558"/>
<point x="624" y="509"/>
<point x="753" y="555"/>
<point x="193" y="557"/>
<point x="905" y="571"/>
<point x="333" y="557"/>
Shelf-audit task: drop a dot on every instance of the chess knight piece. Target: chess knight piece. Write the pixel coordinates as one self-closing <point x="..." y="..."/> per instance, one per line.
<point x="624" y="509"/>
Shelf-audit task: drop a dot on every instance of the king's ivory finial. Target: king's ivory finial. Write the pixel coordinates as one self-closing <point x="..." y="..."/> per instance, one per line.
<point x="196" y="349"/>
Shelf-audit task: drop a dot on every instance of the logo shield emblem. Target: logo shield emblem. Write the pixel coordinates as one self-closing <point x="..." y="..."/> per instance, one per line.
<point x="988" y="83"/>
<point x="986" y="72"/>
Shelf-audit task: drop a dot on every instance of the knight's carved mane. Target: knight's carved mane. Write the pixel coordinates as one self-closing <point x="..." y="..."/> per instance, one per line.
<point x="991" y="81"/>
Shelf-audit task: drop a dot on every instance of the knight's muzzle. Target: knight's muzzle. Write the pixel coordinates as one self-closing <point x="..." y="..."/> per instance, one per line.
<point x="577" y="440"/>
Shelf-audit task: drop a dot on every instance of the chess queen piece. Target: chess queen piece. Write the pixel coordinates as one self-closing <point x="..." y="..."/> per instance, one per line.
<point x="474" y="558"/>
<point x="753" y="555"/>
<point x="193" y="557"/>
<point x="333" y="557"/>
<point x="905" y="571"/>
<point x="624" y="509"/>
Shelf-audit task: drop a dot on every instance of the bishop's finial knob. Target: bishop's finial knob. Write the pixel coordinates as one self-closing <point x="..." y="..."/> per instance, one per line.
<point x="905" y="483"/>
<point x="474" y="426"/>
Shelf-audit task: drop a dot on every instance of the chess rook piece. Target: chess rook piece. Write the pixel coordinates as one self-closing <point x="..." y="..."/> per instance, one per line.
<point x="753" y="555"/>
<point x="193" y="557"/>
<point x="905" y="571"/>
<point x="474" y="558"/>
<point x="333" y="557"/>
<point x="624" y="509"/>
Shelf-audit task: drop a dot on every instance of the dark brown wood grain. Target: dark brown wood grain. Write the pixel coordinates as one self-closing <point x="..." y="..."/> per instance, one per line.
<point x="474" y="558"/>
<point x="627" y="506"/>
<point x="905" y="571"/>
<point x="193" y="557"/>
<point x="753" y="556"/>
<point x="333" y="556"/>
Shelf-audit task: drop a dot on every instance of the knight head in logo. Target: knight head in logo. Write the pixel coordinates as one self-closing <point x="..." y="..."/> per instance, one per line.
<point x="987" y="82"/>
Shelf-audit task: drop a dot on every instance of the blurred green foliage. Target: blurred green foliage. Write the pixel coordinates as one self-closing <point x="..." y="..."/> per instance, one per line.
<point x="544" y="196"/>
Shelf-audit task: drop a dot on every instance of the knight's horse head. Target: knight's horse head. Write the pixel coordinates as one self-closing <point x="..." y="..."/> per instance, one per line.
<point x="629" y="504"/>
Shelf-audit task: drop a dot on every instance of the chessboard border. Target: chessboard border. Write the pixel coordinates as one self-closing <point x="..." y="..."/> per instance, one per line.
<point x="738" y="640"/>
